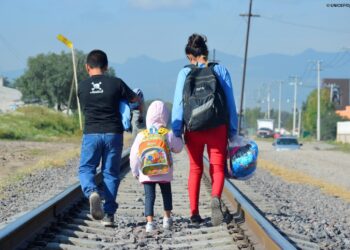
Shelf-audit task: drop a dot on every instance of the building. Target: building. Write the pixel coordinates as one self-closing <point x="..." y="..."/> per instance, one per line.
<point x="343" y="132"/>
<point x="9" y="98"/>
<point x="339" y="95"/>
<point x="339" y="91"/>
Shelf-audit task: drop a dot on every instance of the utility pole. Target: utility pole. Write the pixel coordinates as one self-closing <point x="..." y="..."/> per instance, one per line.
<point x="332" y="86"/>
<point x="69" y="44"/>
<point x="245" y="65"/>
<point x="214" y="56"/>
<point x="318" y="101"/>
<point x="279" y="105"/>
<point x="299" y="121"/>
<point x="268" y="100"/>
<point x="295" y="83"/>
<point x="331" y="92"/>
<point x="70" y="95"/>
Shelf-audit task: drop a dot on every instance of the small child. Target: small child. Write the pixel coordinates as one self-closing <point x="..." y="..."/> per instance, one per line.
<point x="154" y="165"/>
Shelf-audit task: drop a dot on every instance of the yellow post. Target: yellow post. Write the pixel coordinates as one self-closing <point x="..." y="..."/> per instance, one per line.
<point x="69" y="44"/>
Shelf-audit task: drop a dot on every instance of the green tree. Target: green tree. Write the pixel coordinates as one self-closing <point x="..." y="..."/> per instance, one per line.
<point x="7" y="82"/>
<point x="48" y="78"/>
<point x="328" y="116"/>
<point x="286" y="119"/>
<point x="251" y="115"/>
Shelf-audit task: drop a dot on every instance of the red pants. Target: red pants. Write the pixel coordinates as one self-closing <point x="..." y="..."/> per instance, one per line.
<point x="216" y="141"/>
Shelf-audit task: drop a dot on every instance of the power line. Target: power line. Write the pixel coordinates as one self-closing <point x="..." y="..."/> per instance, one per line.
<point x="307" y="70"/>
<point x="335" y="58"/>
<point x="307" y="26"/>
<point x="10" y="48"/>
<point x="342" y="61"/>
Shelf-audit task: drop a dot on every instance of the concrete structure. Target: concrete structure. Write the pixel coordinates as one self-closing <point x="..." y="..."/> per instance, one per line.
<point x="343" y="132"/>
<point x="10" y="98"/>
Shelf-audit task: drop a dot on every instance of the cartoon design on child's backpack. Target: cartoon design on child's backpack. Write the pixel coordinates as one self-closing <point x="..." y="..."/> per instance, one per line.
<point x="154" y="152"/>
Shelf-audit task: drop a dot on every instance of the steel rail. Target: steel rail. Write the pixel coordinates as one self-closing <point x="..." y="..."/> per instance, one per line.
<point x="19" y="232"/>
<point x="267" y="236"/>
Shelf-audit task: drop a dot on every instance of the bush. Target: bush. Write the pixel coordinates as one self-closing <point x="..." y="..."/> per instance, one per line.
<point x="37" y="123"/>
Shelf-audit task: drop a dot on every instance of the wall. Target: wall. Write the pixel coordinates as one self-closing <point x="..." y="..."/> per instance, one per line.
<point x="343" y="132"/>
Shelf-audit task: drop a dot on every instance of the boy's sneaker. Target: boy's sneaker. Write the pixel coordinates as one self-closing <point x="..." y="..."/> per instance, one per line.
<point x="196" y="219"/>
<point x="217" y="215"/>
<point x="167" y="222"/>
<point x="108" y="220"/>
<point x="96" y="210"/>
<point x="150" y="227"/>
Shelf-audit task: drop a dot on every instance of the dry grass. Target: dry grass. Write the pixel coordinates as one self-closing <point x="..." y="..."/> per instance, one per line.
<point x="300" y="178"/>
<point x="58" y="159"/>
<point x="50" y="160"/>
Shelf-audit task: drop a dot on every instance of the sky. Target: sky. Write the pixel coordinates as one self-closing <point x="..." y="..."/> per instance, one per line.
<point x="159" y="29"/>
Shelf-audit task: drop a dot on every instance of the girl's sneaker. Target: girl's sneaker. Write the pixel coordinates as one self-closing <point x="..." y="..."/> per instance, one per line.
<point x="167" y="222"/>
<point x="150" y="227"/>
<point x="108" y="220"/>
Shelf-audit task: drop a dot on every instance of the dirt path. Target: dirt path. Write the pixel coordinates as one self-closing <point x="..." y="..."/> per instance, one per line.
<point x="18" y="155"/>
<point x="317" y="160"/>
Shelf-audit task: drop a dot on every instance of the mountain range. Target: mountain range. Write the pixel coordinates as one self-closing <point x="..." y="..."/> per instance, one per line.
<point x="157" y="79"/>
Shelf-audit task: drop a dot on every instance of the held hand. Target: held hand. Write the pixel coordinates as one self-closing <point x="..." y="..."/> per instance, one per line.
<point x="237" y="141"/>
<point x="140" y="120"/>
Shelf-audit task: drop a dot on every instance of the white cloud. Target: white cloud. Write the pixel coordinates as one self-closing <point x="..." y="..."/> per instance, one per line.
<point x="161" y="4"/>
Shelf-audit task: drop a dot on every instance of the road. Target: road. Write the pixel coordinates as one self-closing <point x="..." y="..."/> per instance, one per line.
<point x="315" y="159"/>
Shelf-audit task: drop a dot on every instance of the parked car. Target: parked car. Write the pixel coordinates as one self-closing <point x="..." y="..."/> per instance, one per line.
<point x="286" y="143"/>
<point x="265" y="133"/>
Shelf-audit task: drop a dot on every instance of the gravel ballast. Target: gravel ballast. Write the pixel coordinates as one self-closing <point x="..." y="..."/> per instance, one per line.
<point x="301" y="208"/>
<point x="34" y="189"/>
<point x="295" y="208"/>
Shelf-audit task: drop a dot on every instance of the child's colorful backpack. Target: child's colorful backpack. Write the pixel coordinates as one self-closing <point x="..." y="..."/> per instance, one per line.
<point x="243" y="161"/>
<point x="154" y="152"/>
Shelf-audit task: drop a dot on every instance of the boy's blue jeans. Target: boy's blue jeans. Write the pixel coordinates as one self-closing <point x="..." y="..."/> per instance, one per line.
<point x="108" y="148"/>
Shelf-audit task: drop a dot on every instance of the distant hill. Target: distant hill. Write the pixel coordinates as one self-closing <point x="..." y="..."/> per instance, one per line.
<point x="157" y="79"/>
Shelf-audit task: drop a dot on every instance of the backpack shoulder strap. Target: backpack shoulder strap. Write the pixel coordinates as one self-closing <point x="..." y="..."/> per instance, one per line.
<point x="163" y="131"/>
<point x="160" y="131"/>
<point x="191" y="66"/>
<point x="212" y="65"/>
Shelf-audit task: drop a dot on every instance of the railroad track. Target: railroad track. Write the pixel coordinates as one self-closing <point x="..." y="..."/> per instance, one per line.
<point x="64" y="222"/>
